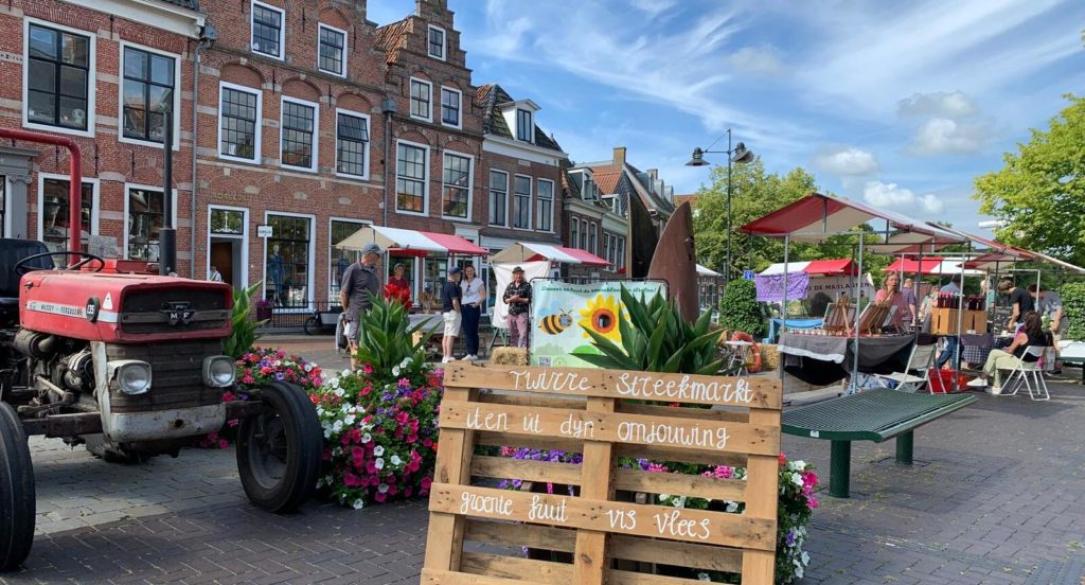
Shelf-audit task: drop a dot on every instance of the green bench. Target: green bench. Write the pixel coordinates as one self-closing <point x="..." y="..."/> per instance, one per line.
<point x="874" y="415"/>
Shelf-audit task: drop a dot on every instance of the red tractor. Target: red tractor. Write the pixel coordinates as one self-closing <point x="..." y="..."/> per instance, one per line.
<point x="131" y="365"/>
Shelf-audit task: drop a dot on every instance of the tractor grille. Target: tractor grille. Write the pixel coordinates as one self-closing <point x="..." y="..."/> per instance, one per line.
<point x="171" y="310"/>
<point x="177" y="375"/>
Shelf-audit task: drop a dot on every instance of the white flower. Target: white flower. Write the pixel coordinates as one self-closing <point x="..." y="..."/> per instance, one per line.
<point x="277" y="363"/>
<point x="406" y="362"/>
<point x="396" y="460"/>
<point x="395" y="370"/>
<point x="379" y="463"/>
<point x="327" y="434"/>
<point x="319" y="411"/>
<point x="359" y="504"/>
<point x="382" y="488"/>
<point x="337" y="426"/>
<point x="366" y="438"/>
<point x="799" y="572"/>
<point x="345" y="373"/>
<point x="805" y="558"/>
<point x="731" y="507"/>
<point x="349" y="420"/>
<point x="308" y="367"/>
<point x="378" y="450"/>
<point x="703" y="577"/>
<point x="796" y="478"/>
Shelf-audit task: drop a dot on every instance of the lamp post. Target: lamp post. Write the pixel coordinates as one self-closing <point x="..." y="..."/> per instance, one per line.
<point x="735" y="154"/>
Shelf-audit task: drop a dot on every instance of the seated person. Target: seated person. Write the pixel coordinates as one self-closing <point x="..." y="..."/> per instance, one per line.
<point x="1031" y="333"/>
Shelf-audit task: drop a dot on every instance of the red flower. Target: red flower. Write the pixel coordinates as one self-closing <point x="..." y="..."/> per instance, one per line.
<point x="783" y="459"/>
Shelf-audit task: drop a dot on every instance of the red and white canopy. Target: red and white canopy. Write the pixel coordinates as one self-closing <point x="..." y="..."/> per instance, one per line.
<point x="833" y="267"/>
<point x="817" y="217"/>
<point x="533" y="251"/>
<point x="410" y="241"/>
<point x="930" y="266"/>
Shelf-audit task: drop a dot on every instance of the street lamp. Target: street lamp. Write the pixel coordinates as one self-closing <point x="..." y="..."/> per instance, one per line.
<point x="736" y="154"/>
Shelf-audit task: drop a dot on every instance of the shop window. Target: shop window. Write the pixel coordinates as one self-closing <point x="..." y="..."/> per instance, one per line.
<point x="54" y="214"/>
<point x="146" y="216"/>
<point x="288" y="261"/>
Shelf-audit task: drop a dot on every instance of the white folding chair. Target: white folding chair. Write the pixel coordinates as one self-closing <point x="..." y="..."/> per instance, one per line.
<point x="920" y="360"/>
<point x="1030" y="374"/>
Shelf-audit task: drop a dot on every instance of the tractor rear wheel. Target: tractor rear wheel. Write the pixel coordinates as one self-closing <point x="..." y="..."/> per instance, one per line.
<point x="17" y="499"/>
<point x="279" y="449"/>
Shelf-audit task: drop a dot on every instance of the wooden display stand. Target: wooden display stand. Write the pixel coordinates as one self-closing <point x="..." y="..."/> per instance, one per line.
<point x="873" y="318"/>
<point x="839" y="318"/>
<point x="604" y="415"/>
<point x="944" y="321"/>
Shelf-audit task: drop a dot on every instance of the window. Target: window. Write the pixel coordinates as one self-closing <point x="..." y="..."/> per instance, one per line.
<point x="58" y="78"/>
<point x="525" y="129"/>
<point x="146" y="216"/>
<point x="149" y="80"/>
<point x="583" y="235"/>
<point x="457" y="186"/>
<point x="54" y="214"/>
<point x="239" y="123"/>
<point x="521" y="203"/>
<point x="332" y="52"/>
<point x="591" y="239"/>
<point x="546" y="205"/>
<point x="3" y="206"/>
<point x="499" y="198"/>
<point x="268" y="33"/>
<point x="341" y="229"/>
<point x="299" y="130"/>
<point x="421" y="96"/>
<point x="351" y="144"/>
<point x="437" y="42"/>
<point x="606" y="247"/>
<point x="411" y="164"/>
<point x="621" y="253"/>
<point x="286" y="281"/>
<point x="450" y="106"/>
<point x="574" y="232"/>
<point x="227" y="222"/>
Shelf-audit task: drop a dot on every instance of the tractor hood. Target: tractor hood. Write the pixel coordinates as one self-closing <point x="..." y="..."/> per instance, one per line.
<point x="123" y="308"/>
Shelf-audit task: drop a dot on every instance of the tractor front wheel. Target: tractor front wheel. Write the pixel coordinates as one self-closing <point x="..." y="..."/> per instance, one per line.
<point x="17" y="499"/>
<point x="279" y="449"/>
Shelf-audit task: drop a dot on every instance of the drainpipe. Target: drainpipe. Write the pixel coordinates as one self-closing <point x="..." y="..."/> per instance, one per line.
<point x="207" y="38"/>
<point x="388" y="106"/>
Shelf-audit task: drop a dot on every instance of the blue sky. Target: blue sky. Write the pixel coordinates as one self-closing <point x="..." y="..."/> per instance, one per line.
<point x="899" y="104"/>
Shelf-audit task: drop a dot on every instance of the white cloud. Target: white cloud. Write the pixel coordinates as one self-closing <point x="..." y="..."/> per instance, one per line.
<point x="759" y="60"/>
<point x="881" y="194"/>
<point x="654" y="8"/>
<point x="953" y="105"/>
<point x="946" y="136"/>
<point x="846" y="161"/>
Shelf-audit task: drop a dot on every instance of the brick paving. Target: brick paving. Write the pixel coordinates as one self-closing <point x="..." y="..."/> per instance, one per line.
<point x="997" y="496"/>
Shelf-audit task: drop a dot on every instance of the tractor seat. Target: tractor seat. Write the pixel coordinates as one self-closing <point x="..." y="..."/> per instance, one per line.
<point x="11" y="252"/>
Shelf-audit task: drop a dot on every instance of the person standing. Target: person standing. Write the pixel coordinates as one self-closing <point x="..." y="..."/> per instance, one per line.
<point x="398" y="287"/>
<point x="451" y="299"/>
<point x="908" y="290"/>
<point x="890" y="294"/>
<point x="360" y="285"/>
<point x="1019" y="299"/>
<point x="215" y="275"/>
<point x="1049" y="305"/>
<point x="518" y="297"/>
<point x="474" y="298"/>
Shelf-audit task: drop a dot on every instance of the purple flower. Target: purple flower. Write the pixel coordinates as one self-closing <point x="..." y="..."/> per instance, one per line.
<point x="279" y="376"/>
<point x="790" y="538"/>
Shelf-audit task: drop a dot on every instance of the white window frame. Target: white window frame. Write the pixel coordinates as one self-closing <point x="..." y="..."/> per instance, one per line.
<point x="531" y="125"/>
<point x="410" y="99"/>
<point x="444" y="42"/>
<point x="128" y="187"/>
<point x="530" y="202"/>
<point x="315" y="141"/>
<point x="176" y="97"/>
<point x="508" y="195"/>
<point x="470" y="185"/>
<point x="459" y="110"/>
<point x="282" y="30"/>
<point x="243" y="238"/>
<point x="92" y="79"/>
<point x="425" y="181"/>
<point x="332" y="219"/>
<point x="258" y="139"/>
<point x="346" y="49"/>
<point x="94" y="208"/>
<point x="553" y="187"/>
<point x="311" y="284"/>
<point x="368" y="148"/>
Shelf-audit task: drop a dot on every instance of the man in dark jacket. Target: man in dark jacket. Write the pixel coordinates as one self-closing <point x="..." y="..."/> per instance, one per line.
<point x="356" y="292"/>
<point x="518" y="297"/>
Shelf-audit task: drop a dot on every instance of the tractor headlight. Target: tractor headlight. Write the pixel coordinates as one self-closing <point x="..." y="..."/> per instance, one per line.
<point x="218" y="371"/>
<point x="131" y="376"/>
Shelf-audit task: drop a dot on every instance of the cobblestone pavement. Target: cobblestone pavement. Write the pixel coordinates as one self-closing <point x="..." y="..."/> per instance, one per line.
<point x="997" y="495"/>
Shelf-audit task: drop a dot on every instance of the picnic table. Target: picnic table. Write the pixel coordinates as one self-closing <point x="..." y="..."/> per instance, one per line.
<point x="874" y="415"/>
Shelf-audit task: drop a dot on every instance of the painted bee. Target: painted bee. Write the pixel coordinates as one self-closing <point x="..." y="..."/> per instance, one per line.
<point x="556" y="323"/>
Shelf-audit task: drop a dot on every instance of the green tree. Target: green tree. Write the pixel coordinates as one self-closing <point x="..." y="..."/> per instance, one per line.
<point x="1040" y="192"/>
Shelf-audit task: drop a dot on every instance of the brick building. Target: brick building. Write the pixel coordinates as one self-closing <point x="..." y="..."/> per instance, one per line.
<point x="594" y="223"/>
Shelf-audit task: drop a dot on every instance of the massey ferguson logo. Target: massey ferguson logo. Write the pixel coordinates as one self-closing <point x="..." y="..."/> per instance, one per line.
<point x="178" y="313"/>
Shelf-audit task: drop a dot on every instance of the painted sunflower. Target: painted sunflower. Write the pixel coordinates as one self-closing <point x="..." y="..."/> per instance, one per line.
<point x="601" y="315"/>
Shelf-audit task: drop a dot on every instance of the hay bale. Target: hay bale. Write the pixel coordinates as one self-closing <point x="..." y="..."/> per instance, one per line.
<point x="770" y="356"/>
<point x="509" y="356"/>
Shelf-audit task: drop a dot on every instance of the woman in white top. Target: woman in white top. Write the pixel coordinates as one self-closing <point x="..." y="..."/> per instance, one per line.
<point x="474" y="299"/>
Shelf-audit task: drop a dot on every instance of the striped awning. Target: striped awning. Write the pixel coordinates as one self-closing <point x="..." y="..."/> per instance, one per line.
<point x="534" y="251"/>
<point x="396" y="239"/>
<point x="832" y="267"/>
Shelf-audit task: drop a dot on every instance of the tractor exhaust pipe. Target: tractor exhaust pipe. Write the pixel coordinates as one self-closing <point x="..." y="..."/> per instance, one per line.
<point x="75" y="188"/>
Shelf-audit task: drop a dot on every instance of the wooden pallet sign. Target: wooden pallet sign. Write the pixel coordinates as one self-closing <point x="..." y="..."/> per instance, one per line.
<point x="594" y="520"/>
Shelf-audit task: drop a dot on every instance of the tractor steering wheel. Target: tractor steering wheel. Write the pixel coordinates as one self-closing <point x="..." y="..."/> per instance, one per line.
<point x="22" y="266"/>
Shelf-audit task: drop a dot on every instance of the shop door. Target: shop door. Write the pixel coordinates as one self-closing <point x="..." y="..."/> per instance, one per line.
<point x="222" y="257"/>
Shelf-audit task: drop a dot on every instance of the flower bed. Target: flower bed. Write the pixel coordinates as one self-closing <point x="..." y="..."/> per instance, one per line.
<point x="380" y="433"/>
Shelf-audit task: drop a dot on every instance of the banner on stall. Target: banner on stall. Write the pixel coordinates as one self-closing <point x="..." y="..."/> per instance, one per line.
<point x="503" y="276"/>
<point x="561" y="314"/>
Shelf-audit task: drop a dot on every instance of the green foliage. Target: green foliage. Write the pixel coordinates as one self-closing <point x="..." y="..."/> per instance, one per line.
<point x="387" y="338"/>
<point x="245" y="329"/>
<point x="655" y="338"/>
<point x="1040" y="191"/>
<point x="1073" y="304"/>
<point x="739" y="309"/>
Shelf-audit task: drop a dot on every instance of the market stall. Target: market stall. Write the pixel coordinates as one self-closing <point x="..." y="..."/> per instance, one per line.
<point x="538" y="261"/>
